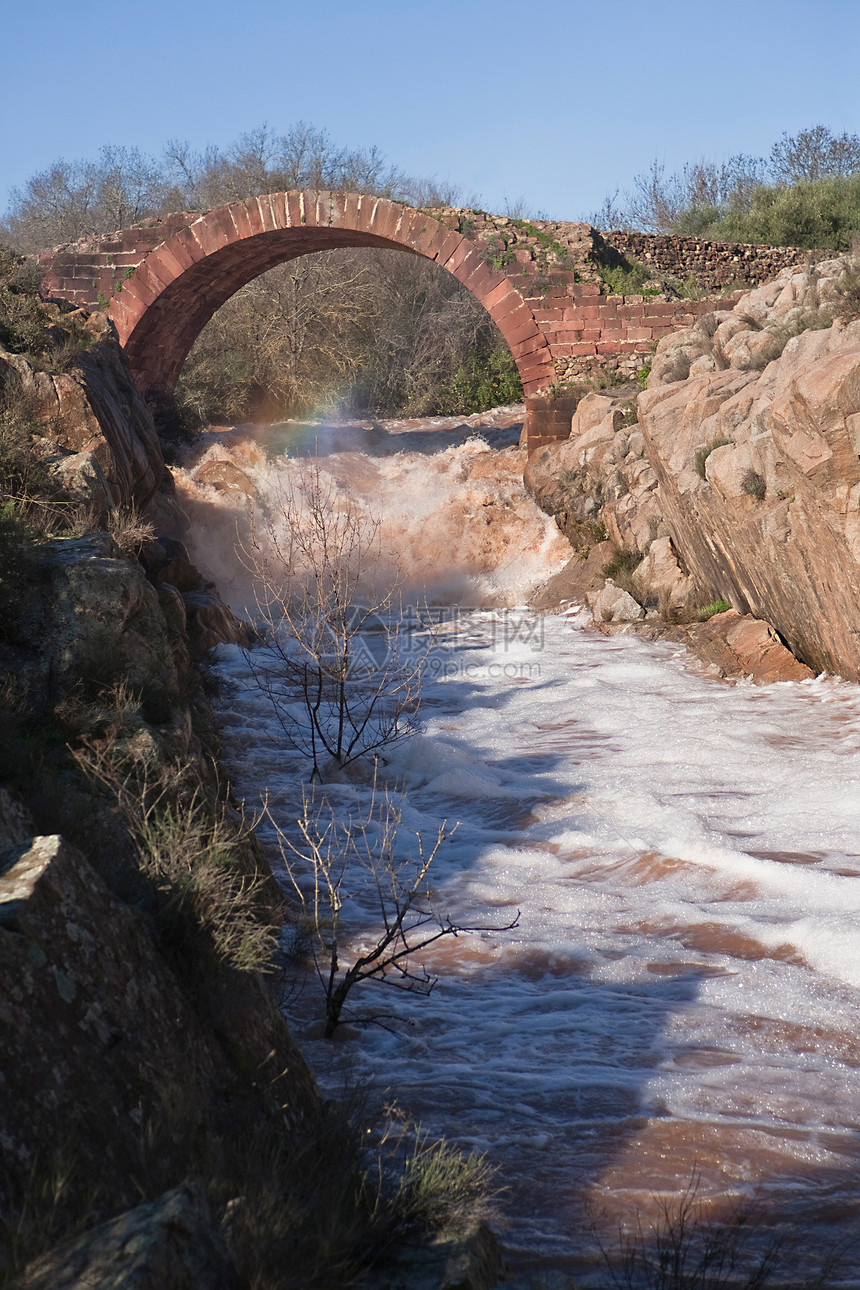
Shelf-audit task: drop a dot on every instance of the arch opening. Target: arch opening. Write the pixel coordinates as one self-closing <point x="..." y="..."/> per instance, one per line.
<point x="352" y="333"/>
<point x="172" y="294"/>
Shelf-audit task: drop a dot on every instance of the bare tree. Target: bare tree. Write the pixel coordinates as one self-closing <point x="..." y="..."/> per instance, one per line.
<point x="339" y="673"/>
<point x="262" y="161"/>
<point x="686" y="201"/>
<point x="366" y="859"/>
<point x="72" y="199"/>
<point x="346" y="330"/>
<point x="814" y="153"/>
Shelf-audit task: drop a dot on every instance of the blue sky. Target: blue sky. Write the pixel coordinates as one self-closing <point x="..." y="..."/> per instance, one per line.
<point x="556" y="101"/>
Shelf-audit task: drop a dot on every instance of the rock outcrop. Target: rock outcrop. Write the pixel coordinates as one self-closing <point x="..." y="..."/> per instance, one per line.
<point x="97" y="1032"/>
<point x="757" y="454"/>
<point x="172" y="1243"/>
<point x="105" y="449"/>
<point x="736" y="474"/>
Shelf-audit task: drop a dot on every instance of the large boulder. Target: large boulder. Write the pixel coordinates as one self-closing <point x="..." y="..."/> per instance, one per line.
<point x="89" y="617"/>
<point x="614" y="605"/>
<point x="172" y="1243"/>
<point x="599" y="483"/>
<point x="102" y="1047"/>
<point x="740" y="478"/>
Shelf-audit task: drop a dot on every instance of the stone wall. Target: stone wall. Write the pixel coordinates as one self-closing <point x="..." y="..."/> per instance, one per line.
<point x="584" y="329"/>
<point x="714" y="265"/>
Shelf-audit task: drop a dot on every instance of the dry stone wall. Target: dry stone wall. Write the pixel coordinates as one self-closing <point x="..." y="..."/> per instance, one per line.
<point x="715" y="266"/>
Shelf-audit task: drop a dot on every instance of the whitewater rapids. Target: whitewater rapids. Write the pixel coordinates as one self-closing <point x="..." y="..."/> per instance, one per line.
<point x="681" y="994"/>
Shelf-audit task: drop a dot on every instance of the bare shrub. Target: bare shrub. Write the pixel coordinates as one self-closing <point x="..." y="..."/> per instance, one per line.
<point x="685" y="1249"/>
<point x="620" y="567"/>
<point x="128" y="529"/>
<point x="754" y="484"/>
<point x="846" y="291"/>
<point x="348" y="331"/>
<point x="343" y="659"/>
<point x="688" y="201"/>
<point x="331" y="861"/>
<point x="814" y="153"/>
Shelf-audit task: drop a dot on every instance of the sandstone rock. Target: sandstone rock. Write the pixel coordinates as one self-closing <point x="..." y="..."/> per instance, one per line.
<point x="180" y="573"/>
<point x="660" y="577"/>
<point x="172" y="1243"/>
<point x="582" y="574"/>
<point x="762" y="655"/>
<point x="769" y="520"/>
<point x="614" y="605"/>
<point x="605" y="461"/>
<point x="784" y="546"/>
<point x="211" y="622"/>
<point x="173" y="607"/>
<point x="98" y="420"/>
<point x="227" y="478"/>
<point x="91" y="1019"/>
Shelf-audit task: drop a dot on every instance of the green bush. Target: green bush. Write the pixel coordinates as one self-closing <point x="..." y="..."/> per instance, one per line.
<point x="626" y="279"/>
<point x="22" y="322"/>
<point x="482" y="382"/>
<point x="820" y="214"/>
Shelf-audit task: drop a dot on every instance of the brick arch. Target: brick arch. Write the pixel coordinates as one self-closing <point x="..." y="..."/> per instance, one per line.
<point x="169" y="297"/>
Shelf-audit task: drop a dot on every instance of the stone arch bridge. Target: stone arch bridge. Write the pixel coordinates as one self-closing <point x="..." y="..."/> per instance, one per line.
<point x="162" y="281"/>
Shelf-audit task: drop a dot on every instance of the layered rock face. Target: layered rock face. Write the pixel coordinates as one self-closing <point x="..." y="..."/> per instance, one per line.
<point x="107" y="451"/>
<point x="757" y="459"/>
<point x="132" y="1052"/>
<point x="98" y="1034"/>
<point x="736" y="474"/>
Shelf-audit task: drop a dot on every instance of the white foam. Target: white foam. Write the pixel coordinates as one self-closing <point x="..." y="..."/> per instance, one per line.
<point x="684" y="856"/>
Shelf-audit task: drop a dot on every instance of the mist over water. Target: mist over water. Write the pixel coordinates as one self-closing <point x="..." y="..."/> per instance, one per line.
<point x="682" y="992"/>
<point x="456" y="525"/>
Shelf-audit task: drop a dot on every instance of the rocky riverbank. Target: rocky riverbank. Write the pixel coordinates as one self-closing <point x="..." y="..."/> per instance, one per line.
<point x="732" y="480"/>
<point x="158" y="1124"/>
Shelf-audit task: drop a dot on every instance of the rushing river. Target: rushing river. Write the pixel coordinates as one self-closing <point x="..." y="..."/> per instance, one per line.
<point x="681" y="995"/>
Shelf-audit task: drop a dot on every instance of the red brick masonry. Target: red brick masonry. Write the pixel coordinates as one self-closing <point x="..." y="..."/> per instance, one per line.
<point x="162" y="281"/>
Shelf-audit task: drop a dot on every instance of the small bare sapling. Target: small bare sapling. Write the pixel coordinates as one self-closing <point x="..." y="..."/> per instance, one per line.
<point x="378" y="863"/>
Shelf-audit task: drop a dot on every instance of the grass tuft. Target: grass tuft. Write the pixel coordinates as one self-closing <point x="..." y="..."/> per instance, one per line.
<point x="754" y="484"/>
<point x="718" y="606"/>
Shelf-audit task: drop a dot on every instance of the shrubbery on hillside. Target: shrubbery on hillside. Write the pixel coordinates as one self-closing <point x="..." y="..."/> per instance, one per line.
<point x="806" y="193"/>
